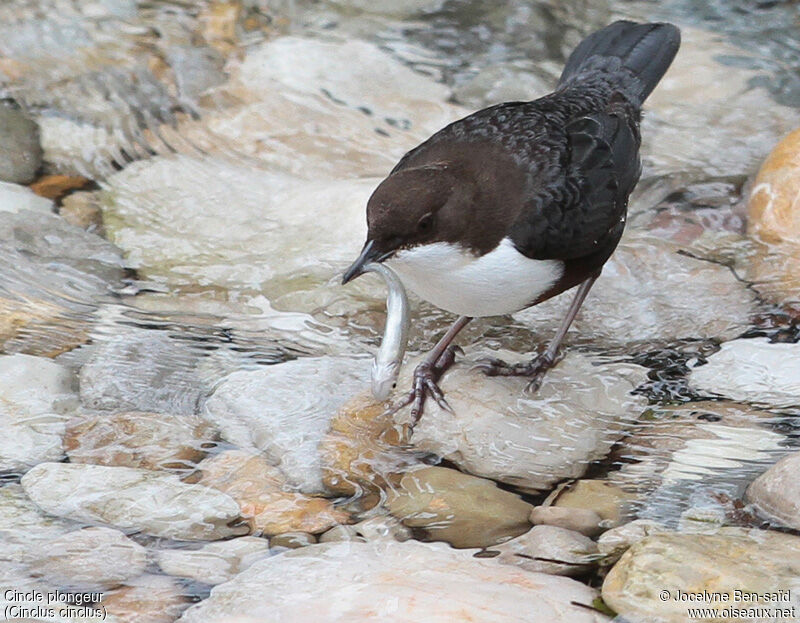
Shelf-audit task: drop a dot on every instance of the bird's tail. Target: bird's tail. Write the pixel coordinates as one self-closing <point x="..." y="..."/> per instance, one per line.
<point x="637" y="55"/>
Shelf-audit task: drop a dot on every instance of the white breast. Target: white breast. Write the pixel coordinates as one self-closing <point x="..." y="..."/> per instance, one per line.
<point x="502" y="281"/>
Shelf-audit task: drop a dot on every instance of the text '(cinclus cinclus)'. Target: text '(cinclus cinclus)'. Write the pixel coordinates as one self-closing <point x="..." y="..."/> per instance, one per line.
<point x="521" y="201"/>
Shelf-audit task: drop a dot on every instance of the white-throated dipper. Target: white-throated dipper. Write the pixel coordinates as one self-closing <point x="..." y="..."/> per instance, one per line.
<point x="521" y="201"/>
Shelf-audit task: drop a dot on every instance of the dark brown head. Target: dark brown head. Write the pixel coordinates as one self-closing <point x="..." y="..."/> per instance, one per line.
<point x="416" y="206"/>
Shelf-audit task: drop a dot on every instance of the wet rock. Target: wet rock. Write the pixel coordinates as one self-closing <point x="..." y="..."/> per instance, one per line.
<point x="289" y="427"/>
<point x="138" y="439"/>
<point x="774" y="271"/>
<point x="21" y="154"/>
<point x="266" y="502"/>
<point x="635" y="300"/>
<point x="751" y="561"/>
<point x="296" y="586"/>
<point x="197" y="69"/>
<point x="214" y="563"/>
<point x="506" y="82"/>
<point x="293" y="540"/>
<point x="548" y="549"/>
<point x="443" y="502"/>
<point x="143" y="371"/>
<point x="382" y="527"/>
<point x="615" y="542"/>
<point x="340" y="533"/>
<point x="147" y="599"/>
<point x="406" y="8"/>
<point x="776" y="492"/>
<point x="81" y="209"/>
<point x="56" y="186"/>
<point x="133" y="500"/>
<point x="498" y="431"/>
<point x="702" y="520"/>
<point x="611" y="503"/>
<point x="582" y="520"/>
<point x="90" y="559"/>
<point x="35" y="396"/>
<point x="753" y="371"/>
<point x="773" y="209"/>
<point x="360" y="451"/>
<point x="24" y="529"/>
<point x="15" y="198"/>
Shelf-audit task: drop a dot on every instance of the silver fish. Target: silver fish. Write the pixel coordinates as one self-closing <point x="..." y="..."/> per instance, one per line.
<point x="386" y="366"/>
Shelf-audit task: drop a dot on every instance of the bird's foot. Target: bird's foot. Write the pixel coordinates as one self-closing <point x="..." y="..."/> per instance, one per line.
<point x="535" y="369"/>
<point x="426" y="377"/>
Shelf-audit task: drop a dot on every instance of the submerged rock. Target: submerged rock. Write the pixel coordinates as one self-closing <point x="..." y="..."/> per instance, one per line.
<point x="303" y="396"/>
<point x="611" y="503"/>
<point x="646" y="582"/>
<point x="133" y="500"/>
<point x="266" y="502"/>
<point x="35" y="397"/>
<point x="582" y="520"/>
<point x="293" y="540"/>
<point x="498" y="431"/>
<point x="20" y="154"/>
<point x="753" y="371"/>
<point x="377" y="579"/>
<point x="147" y="599"/>
<point x="458" y="508"/>
<point x="138" y="439"/>
<point x="615" y="542"/>
<point x="776" y="492"/>
<point x="548" y="549"/>
<point x="651" y="292"/>
<point x="90" y="559"/>
<point x="143" y="371"/>
<point x="214" y="563"/>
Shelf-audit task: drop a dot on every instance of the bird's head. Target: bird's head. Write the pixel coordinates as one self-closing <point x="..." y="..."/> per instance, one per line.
<point x="413" y="207"/>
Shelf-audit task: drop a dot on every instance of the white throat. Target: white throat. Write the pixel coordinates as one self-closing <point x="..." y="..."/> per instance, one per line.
<point x="502" y="281"/>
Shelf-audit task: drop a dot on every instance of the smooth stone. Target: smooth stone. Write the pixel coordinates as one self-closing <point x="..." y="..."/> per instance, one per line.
<point x="442" y="501"/>
<point x="498" y="431"/>
<point x="774" y="205"/>
<point x="549" y="549"/>
<point x="21" y="154"/>
<point x="139" y="439"/>
<point x="752" y="371"/>
<point x="748" y="560"/>
<point x="24" y="529"/>
<point x="361" y="452"/>
<point x="143" y="370"/>
<point x="14" y="198"/>
<point x="447" y="585"/>
<point x="214" y="563"/>
<point x="616" y="541"/>
<point x="382" y="527"/>
<point x="340" y="533"/>
<point x="583" y="520"/>
<point x="147" y="599"/>
<point x="702" y="520"/>
<point x="634" y="301"/>
<point x="90" y="559"/>
<point x="54" y="187"/>
<point x="289" y="426"/>
<point x="267" y="503"/>
<point x="35" y="397"/>
<point x="82" y="210"/>
<point x="609" y="501"/>
<point x="776" y="493"/>
<point x="132" y="499"/>
<point x="293" y="540"/>
<point x="774" y="271"/>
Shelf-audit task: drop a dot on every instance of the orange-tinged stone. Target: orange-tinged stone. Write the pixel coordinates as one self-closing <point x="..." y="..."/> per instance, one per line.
<point x="56" y="186"/>
<point x="266" y="505"/>
<point x="774" y="207"/>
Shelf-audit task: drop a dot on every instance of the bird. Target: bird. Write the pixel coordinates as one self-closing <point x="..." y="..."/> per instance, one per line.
<point x="521" y="201"/>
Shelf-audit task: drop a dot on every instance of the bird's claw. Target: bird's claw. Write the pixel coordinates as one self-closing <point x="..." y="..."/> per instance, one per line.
<point x="535" y="369"/>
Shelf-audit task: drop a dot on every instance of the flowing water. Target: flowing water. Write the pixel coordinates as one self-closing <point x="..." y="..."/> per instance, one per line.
<point x="224" y="153"/>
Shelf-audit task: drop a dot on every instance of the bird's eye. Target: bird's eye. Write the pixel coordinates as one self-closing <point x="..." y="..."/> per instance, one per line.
<point x="425" y="224"/>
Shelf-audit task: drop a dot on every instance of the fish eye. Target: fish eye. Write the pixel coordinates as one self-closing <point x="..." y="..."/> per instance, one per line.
<point x="425" y="224"/>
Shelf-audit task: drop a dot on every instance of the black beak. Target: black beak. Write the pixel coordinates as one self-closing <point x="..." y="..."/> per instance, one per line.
<point x="368" y="254"/>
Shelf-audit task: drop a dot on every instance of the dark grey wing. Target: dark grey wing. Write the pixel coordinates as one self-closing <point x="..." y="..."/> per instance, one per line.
<point x="583" y="208"/>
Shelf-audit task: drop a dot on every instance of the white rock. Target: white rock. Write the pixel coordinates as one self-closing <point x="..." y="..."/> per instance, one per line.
<point x="498" y="431"/>
<point x="649" y="292"/>
<point x="304" y="394"/>
<point x="90" y="559"/>
<point x="549" y="549"/>
<point x="214" y="563"/>
<point x="402" y="582"/>
<point x="132" y="499"/>
<point x="776" y="492"/>
<point x="14" y="198"/>
<point x="36" y="394"/>
<point x="613" y="543"/>
<point x="752" y="371"/>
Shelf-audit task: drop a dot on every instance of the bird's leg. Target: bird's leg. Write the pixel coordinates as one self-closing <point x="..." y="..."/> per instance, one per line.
<point x="429" y="371"/>
<point x="537" y="368"/>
